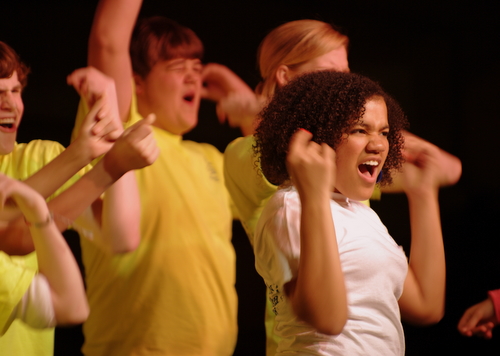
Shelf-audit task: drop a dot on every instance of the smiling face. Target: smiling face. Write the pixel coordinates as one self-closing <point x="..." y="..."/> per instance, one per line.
<point x="11" y="112"/>
<point x="171" y="90"/>
<point x="361" y="155"/>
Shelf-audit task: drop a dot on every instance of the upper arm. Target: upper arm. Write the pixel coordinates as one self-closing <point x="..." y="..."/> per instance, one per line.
<point x="414" y="309"/>
<point x="248" y="188"/>
<point x="109" y="44"/>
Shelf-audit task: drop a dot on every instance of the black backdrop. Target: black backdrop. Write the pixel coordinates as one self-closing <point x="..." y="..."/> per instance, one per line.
<point x="439" y="59"/>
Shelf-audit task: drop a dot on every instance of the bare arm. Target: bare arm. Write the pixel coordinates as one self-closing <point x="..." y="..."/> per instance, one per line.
<point x="236" y="102"/>
<point x="96" y="136"/>
<point x="109" y="43"/>
<point x="55" y="259"/>
<point x="126" y="154"/>
<point x="119" y="213"/>
<point x="121" y="204"/>
<point x="310" y="165"/>
<point x="423" y="297"/>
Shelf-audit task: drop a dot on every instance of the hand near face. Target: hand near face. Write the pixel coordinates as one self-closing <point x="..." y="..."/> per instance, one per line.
<point x="236" y="102"/>
<point x="136" y="148"/>
<point x="423" y="167"/>
<point x="478" y="320"/>
<point x="94" y="87"/>
<point x="449" y="166"/>
<point x="311" y="166"/>
<point x="93" y="145"/>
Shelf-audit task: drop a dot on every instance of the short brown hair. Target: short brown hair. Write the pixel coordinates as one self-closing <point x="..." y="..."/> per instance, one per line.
<point x="159" y="38"/>
<point x="10" y="63"/>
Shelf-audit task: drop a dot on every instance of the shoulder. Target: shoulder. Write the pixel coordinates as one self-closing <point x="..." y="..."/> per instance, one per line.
<point x="27" y="158"/>
<point x="240" y="146"/>
<point x="38" y="148"/>
<point x="281" y="211"/>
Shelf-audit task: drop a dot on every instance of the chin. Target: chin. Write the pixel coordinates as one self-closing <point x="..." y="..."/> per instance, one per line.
<point x="6" y="148"/>
<point x="188" y="126"/>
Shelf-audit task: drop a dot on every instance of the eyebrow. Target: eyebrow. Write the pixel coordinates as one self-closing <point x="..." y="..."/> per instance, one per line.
<point x="17" y="86"/>
<point x="364" y="124"/>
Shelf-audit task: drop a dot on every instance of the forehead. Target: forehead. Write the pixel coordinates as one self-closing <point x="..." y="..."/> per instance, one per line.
<point x="179" y="61"/>
<point x="10" y="82"/>
<point x="333" y="60"/>
<point x="375" y="112"/>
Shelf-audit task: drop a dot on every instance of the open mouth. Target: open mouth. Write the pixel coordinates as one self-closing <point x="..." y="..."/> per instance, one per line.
<point x="7" y="123"/>
<point x="368" y="168"/>
<point x="189" y="98"/>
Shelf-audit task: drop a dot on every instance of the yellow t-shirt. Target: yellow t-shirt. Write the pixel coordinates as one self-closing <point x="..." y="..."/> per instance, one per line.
<point x="21" y="163"/>
<point x="175" y="294"/>
<point x="15" y="278"/>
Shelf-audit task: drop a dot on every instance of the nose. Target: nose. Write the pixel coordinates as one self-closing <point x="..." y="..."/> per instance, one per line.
<point x="7" y="101"/>
<point x="192" y="74"/>
<point x="377" y="144"/>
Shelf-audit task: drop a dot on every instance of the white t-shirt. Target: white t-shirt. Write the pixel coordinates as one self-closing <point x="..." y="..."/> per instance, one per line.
<point x="374" y="268"/>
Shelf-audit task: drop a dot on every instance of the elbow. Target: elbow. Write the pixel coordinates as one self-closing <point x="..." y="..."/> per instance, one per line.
<point x="426" y="319"/>
<point x="432" y="318"/>
<point x="453" y="172"/>
<point x="73" y="315"/>
<point x="327" y="323"/>
<point x="104" y="43"/>
<point x="332" y="330"/>
<point x="457" y="171"/>
<point x="435" y="314"/>
<point x="128" y="245"/>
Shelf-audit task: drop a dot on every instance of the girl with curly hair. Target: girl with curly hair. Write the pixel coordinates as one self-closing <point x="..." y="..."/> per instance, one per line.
<point x="339" y="283"/>
<point x="288" y="51"/>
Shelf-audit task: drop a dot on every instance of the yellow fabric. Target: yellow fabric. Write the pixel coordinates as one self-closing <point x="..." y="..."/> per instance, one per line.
<point x="21" y="163"/>
<point x="250" y="191"/>
<point x="175" y="294"/>
<point x="15" y="280"/>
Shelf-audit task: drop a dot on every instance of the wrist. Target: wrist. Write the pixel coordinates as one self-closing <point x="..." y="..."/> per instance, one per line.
<point x="40" y="223"/>
<point x="111" y="167"/>
<point x="78" y="153"/>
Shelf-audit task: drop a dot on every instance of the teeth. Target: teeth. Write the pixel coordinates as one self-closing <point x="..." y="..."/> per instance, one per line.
<point x="371" y="163"/>
<point x="7" y="120"/>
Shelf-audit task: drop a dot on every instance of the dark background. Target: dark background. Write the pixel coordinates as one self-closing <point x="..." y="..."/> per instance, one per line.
<point x="439" y="59"/>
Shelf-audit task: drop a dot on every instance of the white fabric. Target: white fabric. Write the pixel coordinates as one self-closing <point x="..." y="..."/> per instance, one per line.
<point x="36" y="308"/>
<point x="374" y="268"/>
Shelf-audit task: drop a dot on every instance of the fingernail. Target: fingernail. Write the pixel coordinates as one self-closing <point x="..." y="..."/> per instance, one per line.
<point x="305" y="131"/>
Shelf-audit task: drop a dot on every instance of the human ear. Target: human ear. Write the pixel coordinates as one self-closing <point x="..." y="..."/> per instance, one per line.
<point x="282" y="75"/>
<point x="139" y="85"/>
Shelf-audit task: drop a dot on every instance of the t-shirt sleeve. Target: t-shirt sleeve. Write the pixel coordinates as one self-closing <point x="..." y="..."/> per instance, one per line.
<point x="14" y="282"/>
<point x="248" y="187"/>
<point x="35" y="308"/>
<point x="277" y="240"/>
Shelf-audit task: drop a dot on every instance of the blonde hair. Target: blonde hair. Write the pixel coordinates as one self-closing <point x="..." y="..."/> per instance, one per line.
<point x="293" y="44"/>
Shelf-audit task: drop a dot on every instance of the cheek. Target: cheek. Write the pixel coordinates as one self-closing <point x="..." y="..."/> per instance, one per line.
<point x="20" y="106"/>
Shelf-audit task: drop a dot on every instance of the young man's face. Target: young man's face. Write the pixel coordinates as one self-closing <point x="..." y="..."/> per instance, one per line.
<point x="11" y="112"/>
<point x="171" y="90"/>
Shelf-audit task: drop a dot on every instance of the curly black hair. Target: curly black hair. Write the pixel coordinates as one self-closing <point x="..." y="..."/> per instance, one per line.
<point x="327" y="104"/>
